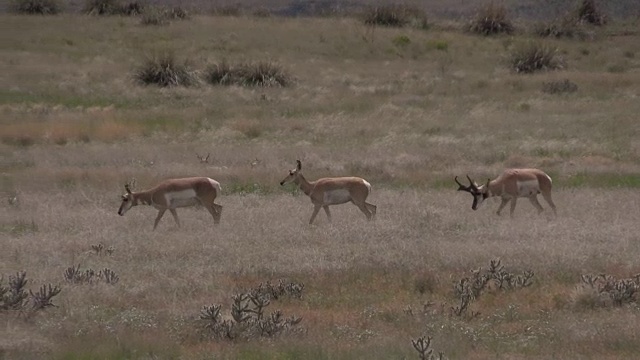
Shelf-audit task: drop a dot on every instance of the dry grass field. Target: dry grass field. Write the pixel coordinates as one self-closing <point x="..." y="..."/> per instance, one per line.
<point x="407" y="109"/>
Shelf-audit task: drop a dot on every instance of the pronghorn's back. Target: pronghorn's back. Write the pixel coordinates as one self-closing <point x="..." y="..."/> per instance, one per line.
<point x="544" y="182"/>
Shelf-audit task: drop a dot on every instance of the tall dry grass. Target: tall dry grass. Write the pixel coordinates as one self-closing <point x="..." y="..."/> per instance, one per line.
<point x="75" y="128"/>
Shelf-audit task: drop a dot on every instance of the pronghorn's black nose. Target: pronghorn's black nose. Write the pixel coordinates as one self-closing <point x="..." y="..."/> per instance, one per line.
<point x="281" y="183"/>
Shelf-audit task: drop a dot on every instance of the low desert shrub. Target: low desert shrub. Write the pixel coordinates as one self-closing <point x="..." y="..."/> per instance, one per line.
<point x="114" y="7"/>
<point x="14" y="295"/>
<point x="617" y="291"/>
<point x="396" y="15"/>
<point x="165" y="70"/>
<point x="425" y="351"/>
<point x="534" y="56"/>
<point x="559" y="87"/>
<point x="491" y="19"/>
<point x="262" y="73"/>
<point x="248" y="318"/>
<point x="36" y="7"/>
<point x="74" y="275"/>
<point x="588" y="12"/>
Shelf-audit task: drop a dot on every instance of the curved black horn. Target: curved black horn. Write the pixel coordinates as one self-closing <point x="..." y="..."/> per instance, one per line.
<point x="127" y="188"/>
<point x="472" y="184"/>
<point x="460" y="186"/>
<point x="298" y="165"/>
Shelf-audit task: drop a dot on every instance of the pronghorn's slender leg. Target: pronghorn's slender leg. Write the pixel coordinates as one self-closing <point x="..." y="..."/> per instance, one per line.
<point x="514" y="200"/>
<point x="326" y="210"/>
<point x="547" y="197"/>
<point x="503" y="203"/>
<point x="160" y="213"/>
<point x="536" y="203"/>
<point x="372" y="208"/>
<point x="315" y="212"/>
<point x="365" y="210"/>
<point x="175" y="216"/>
<point x="216" y="212"/>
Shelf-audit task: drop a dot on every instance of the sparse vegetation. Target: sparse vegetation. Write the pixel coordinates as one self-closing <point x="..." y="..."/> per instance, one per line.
<point x="114" y="7"/>
<point x="397" y="15"/>
<point x="491" y="19"/>
<point x="14" y="297"/>
<point x="588" y="12"/>
<point x="74" y="275"/>
<point x="559" y="87"/>
<point x="36" y="7"/>
<point x="535" y="56"/>
<point x="75" y="128"/>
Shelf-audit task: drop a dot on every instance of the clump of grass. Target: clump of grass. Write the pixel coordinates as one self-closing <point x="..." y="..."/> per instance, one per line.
<point x="165" y="70"/>
<point x="588" y="12"/>
<point x="491" y="19"/>
<point x="396" y="15"/>
<point x="559" y="87"/>
<point x="534" y="56"/>
<point x="154" y="17"/>
<point x="36" y="7"/>
<point x="566" y="27"/>
<point x="262" y="73"/>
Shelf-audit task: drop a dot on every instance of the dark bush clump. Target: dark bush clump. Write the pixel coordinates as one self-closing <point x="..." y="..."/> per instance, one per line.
<point x="36" y="7"/>
<point x="114" y="7"/>
<point x="396" y="16"/>
<point x="588" y="12"/>
<point x="165" y="70"/>
<point x="534" y="57"/>
<point x="264" y="73"/>
<point x="559" y="87"/>
<point x="491" y="19"/>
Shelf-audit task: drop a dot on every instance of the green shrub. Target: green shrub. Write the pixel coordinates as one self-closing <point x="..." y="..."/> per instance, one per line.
<point x="263" y="73"/>
<point x="534" y="57"/>
<point x="165" y="70"/>
<point x="401" y="41"/>
<point x="36" y="7"/>
<point x="396" y="16"/>
<point x="491" y="19"/>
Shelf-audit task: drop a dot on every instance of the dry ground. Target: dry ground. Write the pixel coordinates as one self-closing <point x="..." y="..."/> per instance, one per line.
<point x="75" y="127"/>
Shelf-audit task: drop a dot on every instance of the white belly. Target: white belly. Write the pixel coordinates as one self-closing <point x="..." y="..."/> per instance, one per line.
<point x="338" y="196"/>
<point x="528" y="188"/>
<point x="181" y="198"/>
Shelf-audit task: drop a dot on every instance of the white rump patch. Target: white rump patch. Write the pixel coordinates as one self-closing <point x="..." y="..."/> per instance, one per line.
<point x="528" y="188"/>
<point x="338" y="196"/>
<point x="181" y="198"/>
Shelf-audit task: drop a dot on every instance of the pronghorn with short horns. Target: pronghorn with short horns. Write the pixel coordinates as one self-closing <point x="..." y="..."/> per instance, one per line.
<point x="175" y="193"/>
<point x="509" y="186"/>
<point x="333" y="191"/>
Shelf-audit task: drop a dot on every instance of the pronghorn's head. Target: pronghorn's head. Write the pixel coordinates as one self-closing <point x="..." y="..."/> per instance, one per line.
<point x="480" y="193"/>
<point x="127" y="201"/>
<point x="293" y="174"/>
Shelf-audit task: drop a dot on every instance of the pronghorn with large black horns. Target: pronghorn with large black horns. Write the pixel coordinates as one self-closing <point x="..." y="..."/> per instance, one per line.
<point x="509" y="186"/>
<point x="175" y="193"/>
<point x="333" y="191"/>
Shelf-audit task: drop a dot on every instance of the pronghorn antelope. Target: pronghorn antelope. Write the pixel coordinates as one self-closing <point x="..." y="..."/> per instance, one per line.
<point x="332" y="191"/>
<point x="174" y="193"/>
<point x="512" y="184"/>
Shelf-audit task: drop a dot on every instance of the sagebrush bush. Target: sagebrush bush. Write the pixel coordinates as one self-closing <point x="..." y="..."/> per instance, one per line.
<point x="114" y="7"/>
<point x="535" y="56"/>
<point x="165" y="70"/>
<point x="396" y="16"/>
<point x="491" y="19"/>
<point x="36" y="7"/>
<point x="588" y="12"/>
<point x="263" y="73"/>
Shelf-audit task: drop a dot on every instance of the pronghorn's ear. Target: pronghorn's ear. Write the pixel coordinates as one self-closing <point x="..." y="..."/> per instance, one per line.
<point x="488" y="181"/>
<point x="126" y="187"/>
<point x="299" y="165"/>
